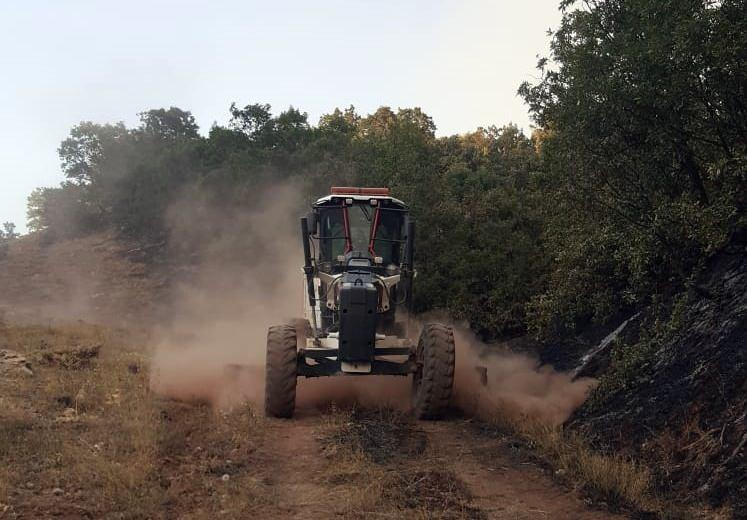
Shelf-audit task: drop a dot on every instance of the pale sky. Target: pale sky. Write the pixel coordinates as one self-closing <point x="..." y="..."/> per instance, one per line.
<point x="62" y="62"/>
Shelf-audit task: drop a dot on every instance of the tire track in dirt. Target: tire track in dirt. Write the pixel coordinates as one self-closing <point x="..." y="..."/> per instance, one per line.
<point x="292" y="462"/>
<point x="500" y="483"/>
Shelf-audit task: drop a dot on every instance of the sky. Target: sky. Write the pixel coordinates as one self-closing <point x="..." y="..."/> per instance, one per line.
<point x="62" y="62"/>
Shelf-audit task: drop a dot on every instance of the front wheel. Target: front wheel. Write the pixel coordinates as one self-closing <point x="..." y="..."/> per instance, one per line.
<point x="280" y="371"/>
<point x="434" y="379"/>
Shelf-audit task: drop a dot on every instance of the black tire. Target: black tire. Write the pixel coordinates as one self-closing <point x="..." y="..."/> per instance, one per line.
<point x="280" y="371"/>
<point x="434" y="379"/>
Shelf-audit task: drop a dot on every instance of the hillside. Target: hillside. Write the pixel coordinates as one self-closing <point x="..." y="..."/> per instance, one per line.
<point x="682" y="407"/>
<point x="677" y="390"/>
<point x="97" y="278"/>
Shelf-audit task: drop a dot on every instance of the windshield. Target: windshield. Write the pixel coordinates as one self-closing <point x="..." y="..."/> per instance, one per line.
<point x="359" y="217"/>
<point x="360" y="220"/>
<point x="331" y="233"/>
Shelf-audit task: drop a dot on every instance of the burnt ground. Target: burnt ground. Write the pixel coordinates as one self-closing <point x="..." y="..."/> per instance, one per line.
<point x="685" y="406"/>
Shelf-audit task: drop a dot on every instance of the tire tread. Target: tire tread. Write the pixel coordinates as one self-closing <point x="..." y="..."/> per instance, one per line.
<point x="280" y="371"/>
<point x="436" y="352"/>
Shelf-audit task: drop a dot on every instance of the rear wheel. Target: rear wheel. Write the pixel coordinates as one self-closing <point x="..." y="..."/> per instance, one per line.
<point x="434" y="378"/>
<point x="280" y="375"/>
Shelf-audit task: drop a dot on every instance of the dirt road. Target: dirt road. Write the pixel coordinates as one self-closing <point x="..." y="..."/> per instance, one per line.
<point x="84" y="437"/>
<point x="382" y="464"/>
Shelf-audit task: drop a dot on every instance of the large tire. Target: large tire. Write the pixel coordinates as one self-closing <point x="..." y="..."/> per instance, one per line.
<point x="280" y="375"/>
<point x="434" y="379"/>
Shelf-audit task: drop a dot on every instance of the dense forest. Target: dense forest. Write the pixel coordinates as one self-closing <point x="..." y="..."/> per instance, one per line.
<point x="634" y="175"/>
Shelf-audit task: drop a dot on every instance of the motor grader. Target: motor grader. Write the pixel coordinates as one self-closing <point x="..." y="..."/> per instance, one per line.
<point x="358" y="246"/>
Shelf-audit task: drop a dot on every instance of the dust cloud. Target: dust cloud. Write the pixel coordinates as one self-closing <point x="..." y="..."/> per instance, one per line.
<point x="515" y="381"/>
<point x="246" y="276"/>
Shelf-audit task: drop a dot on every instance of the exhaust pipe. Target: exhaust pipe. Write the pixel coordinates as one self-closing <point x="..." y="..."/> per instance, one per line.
<point x="308" y="270"/>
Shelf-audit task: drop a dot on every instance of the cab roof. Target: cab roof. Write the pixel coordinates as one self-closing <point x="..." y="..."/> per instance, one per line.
<point x="358" y="195"/>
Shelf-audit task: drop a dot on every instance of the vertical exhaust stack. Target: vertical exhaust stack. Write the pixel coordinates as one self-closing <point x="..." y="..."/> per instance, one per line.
<point x="407" y="267"/>
<point x="308" y="270"/>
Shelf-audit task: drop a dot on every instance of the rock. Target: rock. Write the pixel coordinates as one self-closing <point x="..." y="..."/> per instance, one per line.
<point x="597" y="360"/>
<point x="11" y="361"/>
<point x="68" y="415"/>
<point x="74" y="357"/>
<point x="57" y="491"/>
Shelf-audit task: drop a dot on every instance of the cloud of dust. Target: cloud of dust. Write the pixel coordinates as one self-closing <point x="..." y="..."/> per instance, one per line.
<point x="246" y="276"/>
<point x="514" y="380"/>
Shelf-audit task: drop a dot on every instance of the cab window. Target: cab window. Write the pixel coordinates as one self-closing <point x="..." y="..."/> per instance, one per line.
<point x="388" y="238"/>
<point x="331" y="234"/>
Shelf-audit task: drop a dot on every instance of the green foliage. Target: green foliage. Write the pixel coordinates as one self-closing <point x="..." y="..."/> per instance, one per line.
<point x="644" y="149"/>
<point x="475" y="196"/>
<point x="7" y="234"/>
<point x="171" y="124"/>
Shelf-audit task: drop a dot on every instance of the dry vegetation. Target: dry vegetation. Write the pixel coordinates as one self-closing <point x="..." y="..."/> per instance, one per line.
<point x="84" y="437"/>
<point x="365" y="450"/>
<point x="611" y="480"/>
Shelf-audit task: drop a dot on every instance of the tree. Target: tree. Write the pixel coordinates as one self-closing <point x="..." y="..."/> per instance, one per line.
<point x="7" y="235"/>
<point x="473" y="195"/>
<point x="253" y="120"/>
<point x="171" y="124"/>
<point x="83" y="152"/>
<point x="9" y="231"/>
<point x="644" y="144"/>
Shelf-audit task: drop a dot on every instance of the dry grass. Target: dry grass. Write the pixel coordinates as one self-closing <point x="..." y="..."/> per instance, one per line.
<point x="618" y="481"/>
<point x="366" y="483"/>
<point x="84" y="436"/>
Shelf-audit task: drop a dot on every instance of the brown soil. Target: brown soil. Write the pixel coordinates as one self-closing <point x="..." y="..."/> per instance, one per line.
<point x="498" y="483"/>
<point x="90" y="441"/>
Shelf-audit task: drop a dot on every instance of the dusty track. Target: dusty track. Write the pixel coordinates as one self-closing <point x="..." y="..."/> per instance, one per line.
<point x="499" y="481"/>
<point x="68" y="424"/>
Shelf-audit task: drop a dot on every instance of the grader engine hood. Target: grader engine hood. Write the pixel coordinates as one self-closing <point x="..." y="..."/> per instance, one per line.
<point x="358" y="314"/>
